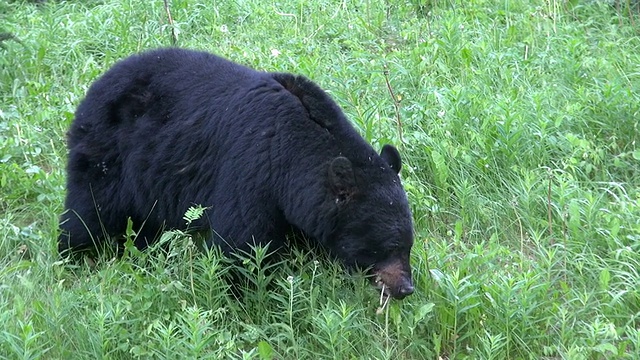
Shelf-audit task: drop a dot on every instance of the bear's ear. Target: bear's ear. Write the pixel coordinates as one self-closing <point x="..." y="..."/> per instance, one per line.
<point x="391" y="155"/>
<point x="341" y="178"/>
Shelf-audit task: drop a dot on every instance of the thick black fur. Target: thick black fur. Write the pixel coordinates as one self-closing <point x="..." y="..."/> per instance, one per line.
<point x="172" y="128"/>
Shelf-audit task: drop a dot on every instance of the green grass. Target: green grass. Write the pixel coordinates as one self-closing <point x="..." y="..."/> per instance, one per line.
<point x="520" y="132"/>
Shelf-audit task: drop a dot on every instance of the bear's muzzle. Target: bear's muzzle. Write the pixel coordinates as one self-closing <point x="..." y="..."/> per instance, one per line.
<point x="394" y="278"/>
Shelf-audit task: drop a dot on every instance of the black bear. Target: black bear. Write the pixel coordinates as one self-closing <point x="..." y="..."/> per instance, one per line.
<point x="264" y="152"/>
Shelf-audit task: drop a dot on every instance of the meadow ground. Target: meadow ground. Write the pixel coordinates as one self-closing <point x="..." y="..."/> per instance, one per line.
<point x="519" y="124"/>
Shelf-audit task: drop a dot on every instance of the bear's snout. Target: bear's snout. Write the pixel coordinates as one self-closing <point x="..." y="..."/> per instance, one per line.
<point x="394" y="279"/>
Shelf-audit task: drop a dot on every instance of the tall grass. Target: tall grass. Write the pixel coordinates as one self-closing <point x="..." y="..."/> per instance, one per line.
<point x="519" y="128"/>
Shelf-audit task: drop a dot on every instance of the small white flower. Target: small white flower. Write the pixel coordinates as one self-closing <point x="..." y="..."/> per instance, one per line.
<point x="224" y="28"/>
<point x="275" y="53"/>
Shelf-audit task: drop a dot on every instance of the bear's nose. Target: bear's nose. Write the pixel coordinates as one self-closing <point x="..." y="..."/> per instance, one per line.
<point x="405" y="291"/>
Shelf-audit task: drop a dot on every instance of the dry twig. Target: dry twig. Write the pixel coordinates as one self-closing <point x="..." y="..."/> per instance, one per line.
<point x="174" y="37"/>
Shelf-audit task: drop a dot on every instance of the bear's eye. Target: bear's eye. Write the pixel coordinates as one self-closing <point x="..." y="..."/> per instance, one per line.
<point x="368" y="257"/>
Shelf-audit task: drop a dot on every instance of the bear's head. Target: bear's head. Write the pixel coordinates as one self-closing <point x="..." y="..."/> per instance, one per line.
<point x="372" y="227"/>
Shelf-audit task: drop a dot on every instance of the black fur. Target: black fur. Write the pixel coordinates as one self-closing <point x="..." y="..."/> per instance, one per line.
<point x="168" y="129"/>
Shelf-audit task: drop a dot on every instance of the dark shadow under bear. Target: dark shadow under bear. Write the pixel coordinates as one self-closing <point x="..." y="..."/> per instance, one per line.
<point x="166" y="130"/>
